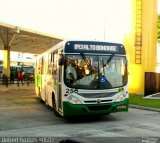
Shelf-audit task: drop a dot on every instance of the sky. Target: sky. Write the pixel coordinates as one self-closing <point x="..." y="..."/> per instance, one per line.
<point x="158" y="9"/>
<point x="105" y="20"/>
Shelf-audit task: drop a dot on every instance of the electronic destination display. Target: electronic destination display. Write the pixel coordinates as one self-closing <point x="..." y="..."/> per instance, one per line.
<point x="94" y="47"/>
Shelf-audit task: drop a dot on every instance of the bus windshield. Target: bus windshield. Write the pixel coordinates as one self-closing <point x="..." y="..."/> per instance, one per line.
<point x="83" y="71"/>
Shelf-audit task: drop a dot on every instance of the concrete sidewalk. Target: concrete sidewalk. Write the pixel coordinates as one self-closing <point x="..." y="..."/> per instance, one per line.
<point x="153" y="96"/>
<point x="4" y="88"/>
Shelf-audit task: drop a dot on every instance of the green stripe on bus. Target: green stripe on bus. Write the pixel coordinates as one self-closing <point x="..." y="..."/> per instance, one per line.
<point x="38" y="80"/>
<point x="93" y="109"/>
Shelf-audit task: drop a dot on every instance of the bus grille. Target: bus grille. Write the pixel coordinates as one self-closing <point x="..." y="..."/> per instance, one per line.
<point x="95" y="101"/>
<point x="98" y="95"/>
<point x="95" y="108"/>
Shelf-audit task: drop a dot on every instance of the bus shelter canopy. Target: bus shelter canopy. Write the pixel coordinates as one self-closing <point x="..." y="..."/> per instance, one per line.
<point x="24" y="40"/>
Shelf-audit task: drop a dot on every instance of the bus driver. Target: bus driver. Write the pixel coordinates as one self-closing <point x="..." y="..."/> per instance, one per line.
<point x="71" y="73"/>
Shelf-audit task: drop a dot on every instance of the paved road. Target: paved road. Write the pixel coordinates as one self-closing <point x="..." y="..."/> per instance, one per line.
<point x="21" y="114"/>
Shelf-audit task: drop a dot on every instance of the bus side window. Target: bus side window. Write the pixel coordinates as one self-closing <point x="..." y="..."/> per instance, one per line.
<point x="40" y="66"/>
<point x="55" y="63"/>
<point x="50" y="63"/>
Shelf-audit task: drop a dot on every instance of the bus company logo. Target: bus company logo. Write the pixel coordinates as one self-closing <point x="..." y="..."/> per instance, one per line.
<point x="98" y="101"/>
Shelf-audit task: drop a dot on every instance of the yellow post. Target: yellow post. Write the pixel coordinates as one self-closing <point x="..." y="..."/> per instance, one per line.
<point x="6" y="61"/>
<point x="141" y="44"/>
<point x="149" y="35"/>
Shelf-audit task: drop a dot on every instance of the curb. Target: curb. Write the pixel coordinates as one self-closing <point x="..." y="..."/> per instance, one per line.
<point x="151" y="97"/>
<point x="144" y="108"/>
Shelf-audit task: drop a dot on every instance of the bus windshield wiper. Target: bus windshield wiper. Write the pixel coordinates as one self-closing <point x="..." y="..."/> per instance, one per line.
<point x="83" y="57"/>
<point x="110" y="58"/>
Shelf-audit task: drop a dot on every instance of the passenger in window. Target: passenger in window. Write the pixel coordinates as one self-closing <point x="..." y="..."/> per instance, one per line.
<point x="107" y="68"/>
<point x="88" y="67"/>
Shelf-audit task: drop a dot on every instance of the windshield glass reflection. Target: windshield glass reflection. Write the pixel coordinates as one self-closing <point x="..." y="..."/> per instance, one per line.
<point x="95" y="72"/>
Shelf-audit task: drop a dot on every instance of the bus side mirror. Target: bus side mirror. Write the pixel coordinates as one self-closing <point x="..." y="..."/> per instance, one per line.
<point x="60" y="60"/>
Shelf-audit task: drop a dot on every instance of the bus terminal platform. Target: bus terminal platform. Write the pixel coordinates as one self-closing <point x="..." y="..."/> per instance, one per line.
<point x="16" y="86"/>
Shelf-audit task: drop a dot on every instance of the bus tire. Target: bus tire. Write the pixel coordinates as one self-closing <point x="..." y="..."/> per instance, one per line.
<point x="54" y="106"/>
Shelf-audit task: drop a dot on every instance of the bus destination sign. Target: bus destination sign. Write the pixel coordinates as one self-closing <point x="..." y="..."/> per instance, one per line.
<point x="89" y="47"/>
<point x="94" y="47"/>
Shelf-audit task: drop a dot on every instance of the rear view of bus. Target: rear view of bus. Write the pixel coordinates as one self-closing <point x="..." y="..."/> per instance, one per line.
<point x="94" y="78"/>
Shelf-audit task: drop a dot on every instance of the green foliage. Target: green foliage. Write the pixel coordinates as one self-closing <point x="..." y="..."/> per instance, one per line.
<point x="139" y="100"/>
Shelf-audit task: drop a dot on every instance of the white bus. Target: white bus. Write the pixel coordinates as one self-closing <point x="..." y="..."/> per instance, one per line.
<point x="83" y="78"/>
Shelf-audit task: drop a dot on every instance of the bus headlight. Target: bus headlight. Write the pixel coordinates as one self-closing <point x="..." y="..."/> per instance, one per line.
<point x="121" y="97"/>
<point x="73" y="100"/>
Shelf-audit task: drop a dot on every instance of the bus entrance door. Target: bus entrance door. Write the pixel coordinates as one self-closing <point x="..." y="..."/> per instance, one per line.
<point x="59" y="86"/>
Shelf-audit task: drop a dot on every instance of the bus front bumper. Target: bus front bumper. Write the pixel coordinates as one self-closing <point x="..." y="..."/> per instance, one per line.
<point x="94" y="109"/>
